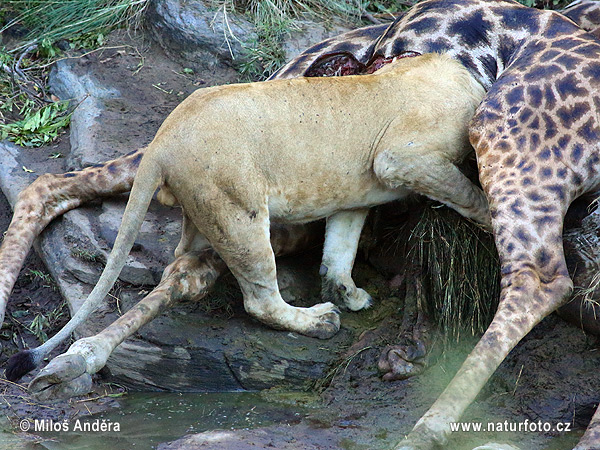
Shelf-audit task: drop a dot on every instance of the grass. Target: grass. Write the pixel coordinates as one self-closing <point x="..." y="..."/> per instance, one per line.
<point x="86" y="255"/>
<point x="42" y="323"/>
<point x="50" y="21"/>
<point x="29" y="115"/>
<point x="460" y="271"/>
<point x="46" y="278"/>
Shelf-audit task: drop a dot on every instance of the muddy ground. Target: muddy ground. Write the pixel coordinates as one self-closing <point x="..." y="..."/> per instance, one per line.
<point x="552" y="375"/>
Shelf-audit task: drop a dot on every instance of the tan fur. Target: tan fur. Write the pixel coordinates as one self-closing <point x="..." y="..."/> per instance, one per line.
<point x="236" y="157"/>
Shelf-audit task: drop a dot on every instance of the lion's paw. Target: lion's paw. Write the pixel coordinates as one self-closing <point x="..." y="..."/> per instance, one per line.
<point x="325" y="323"/>
<point x="345" y="293"/>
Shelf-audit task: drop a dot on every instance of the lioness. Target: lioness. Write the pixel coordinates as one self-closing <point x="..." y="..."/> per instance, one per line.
<point x="236" y="157"/>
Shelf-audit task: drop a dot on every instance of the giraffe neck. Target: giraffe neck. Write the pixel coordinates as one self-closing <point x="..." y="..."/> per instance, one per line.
<point x="484" y="35"/>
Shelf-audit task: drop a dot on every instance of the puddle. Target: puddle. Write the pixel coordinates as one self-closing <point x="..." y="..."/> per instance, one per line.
<point x="148" y="419"/>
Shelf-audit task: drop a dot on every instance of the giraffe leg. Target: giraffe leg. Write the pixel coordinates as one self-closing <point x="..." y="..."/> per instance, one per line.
<point x="409" y="356"/>
<point x="49" y="196"/>
<point x="591" y="437"/>
<point x="342" y="234"/>
<point x="526" y="300"/>
<point x="191" y="277"/>
<point x="535" y="282"/>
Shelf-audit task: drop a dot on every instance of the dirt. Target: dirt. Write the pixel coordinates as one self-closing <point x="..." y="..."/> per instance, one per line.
<point x="550" y="376"/>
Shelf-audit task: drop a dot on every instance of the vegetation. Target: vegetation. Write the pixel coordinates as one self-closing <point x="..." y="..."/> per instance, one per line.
<point x="29" y="116"/>
<point x="34" y="318"/>
<point x="460" y="271"/>
<point x="47" y="21"/>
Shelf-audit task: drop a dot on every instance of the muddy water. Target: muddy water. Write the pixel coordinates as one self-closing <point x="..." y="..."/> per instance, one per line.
<point x="148" y="419"/>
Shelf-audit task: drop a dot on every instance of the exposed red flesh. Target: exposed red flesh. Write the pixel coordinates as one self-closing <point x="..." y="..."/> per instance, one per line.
<point x="342" y="64"/>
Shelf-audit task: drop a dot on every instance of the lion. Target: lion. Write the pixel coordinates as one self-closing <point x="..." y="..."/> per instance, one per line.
<point x="241" y="156"/>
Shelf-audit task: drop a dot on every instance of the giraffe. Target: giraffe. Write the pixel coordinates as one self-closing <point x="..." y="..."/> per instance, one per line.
<point x="52" y="195"/>
<point x="537" y="140"/>
<point x="535" y="136"/>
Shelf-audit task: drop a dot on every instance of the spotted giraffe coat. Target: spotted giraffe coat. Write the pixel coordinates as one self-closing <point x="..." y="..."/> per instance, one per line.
<point x="538" y="66"/>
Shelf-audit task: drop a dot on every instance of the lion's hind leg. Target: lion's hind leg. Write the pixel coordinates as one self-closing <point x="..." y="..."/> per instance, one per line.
<point x="240" y="234"/>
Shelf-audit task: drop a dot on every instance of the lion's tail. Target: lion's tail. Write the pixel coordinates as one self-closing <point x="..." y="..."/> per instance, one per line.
<point x="147" y="179"/>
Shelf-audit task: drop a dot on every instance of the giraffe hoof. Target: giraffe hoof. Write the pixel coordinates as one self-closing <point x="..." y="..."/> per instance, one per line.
<point x="65" y="376"/>
<point x="399" y="362"/>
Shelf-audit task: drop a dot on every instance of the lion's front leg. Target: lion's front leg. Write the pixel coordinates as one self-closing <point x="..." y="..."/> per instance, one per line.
<point x="342" y="234"/>
<point x="433" y="174"/>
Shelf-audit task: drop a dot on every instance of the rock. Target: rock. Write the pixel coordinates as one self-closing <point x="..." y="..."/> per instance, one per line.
<point x="198" y="35"/>
<point x="307" y="33"/>
<point x="82" y="89"/>
<point x="300" y="437"/>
